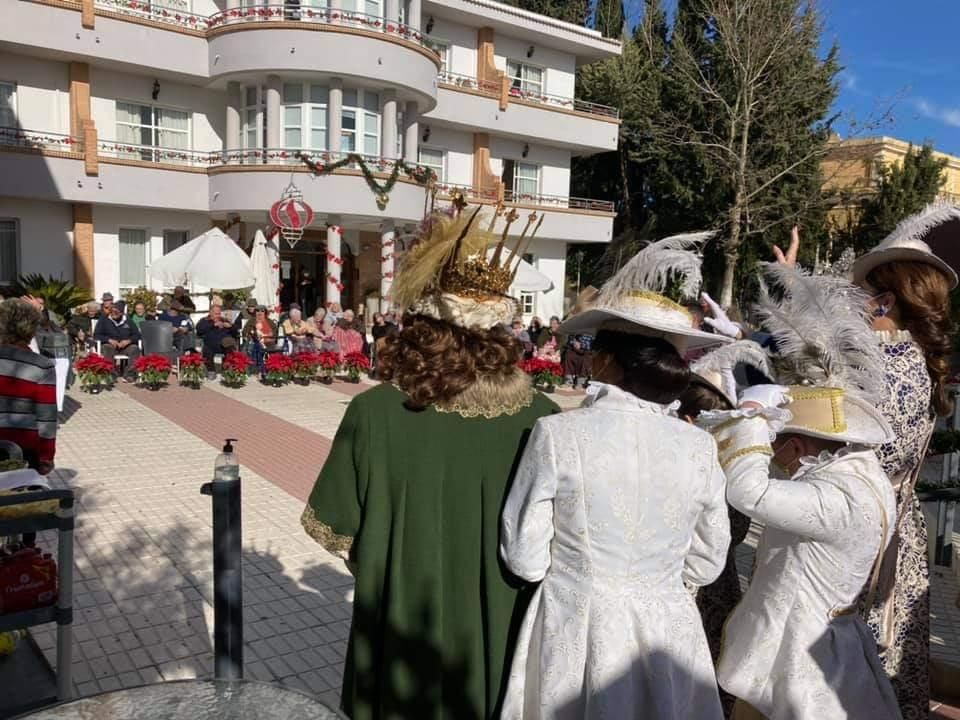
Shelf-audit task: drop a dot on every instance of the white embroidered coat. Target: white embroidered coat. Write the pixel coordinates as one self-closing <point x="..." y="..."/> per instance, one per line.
<point x="613" y="507"/>
<point x="795" y="648"/>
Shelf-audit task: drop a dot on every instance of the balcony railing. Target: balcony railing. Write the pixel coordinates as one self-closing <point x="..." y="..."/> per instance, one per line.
<point x="295" y="12"/>
<point x="538" y="199"/>
<point x="171" y="12"/>
<point x="39" y="140"/>
<point x="153" y="154"/>
<point x="467" y="82"/>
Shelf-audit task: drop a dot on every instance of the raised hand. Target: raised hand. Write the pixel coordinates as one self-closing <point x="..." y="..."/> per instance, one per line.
<point x="719" y="321"/>
<point x="790" y="258"/>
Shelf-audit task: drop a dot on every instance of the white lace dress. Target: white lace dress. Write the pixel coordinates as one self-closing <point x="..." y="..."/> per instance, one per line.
<point x="613" y="507"/>
<point x="795" y="647"/>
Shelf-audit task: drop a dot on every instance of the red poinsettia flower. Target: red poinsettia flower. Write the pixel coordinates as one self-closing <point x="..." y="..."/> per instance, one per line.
<point x="356" y="361"/>
<point x="237" y="361"/>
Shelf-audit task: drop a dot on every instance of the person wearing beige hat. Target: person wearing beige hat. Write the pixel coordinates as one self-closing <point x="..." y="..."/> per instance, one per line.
<point x="910" y="303"/>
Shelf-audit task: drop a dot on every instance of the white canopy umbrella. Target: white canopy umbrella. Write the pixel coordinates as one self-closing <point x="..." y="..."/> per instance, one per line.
<point x="212" y="260"/>
<point x="528" y="278"/>
<point x="265" y="259"/>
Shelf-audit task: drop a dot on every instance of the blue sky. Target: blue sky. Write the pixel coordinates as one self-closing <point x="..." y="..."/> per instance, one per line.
<point x="901" y="56"/>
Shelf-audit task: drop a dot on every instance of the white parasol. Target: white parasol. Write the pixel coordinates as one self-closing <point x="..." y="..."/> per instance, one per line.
<point x="528" y="278"/>
<point x="265" y="259"/>
<point x="212" y="260"/>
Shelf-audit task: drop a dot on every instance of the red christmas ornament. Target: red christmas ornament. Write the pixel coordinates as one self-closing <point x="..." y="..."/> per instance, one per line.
<point x="291" y="214"/>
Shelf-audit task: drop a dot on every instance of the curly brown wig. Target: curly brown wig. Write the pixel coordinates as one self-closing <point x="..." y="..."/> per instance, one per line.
<point x="433" y="361"/>
<point x="923" y="302"/>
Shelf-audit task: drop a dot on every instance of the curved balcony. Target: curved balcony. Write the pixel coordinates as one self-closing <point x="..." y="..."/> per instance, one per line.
<point x="251" y="180"/>
<point x="352" y="46"/>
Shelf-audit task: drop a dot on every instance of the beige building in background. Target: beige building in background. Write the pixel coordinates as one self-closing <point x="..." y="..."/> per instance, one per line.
<point x="850" y="170"/>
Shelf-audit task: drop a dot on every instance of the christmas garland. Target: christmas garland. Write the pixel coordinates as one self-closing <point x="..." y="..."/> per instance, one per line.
<point x="381" y="190"/>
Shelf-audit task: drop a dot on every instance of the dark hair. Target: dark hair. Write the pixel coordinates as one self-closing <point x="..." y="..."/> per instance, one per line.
<point x="923" y="301"/>
<point x="434" y="361"/>
<point x="698" y="398"/>
<point x="652" y="368"/>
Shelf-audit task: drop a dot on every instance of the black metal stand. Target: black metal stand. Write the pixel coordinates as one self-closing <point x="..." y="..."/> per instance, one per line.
<point x="227" y="579"/>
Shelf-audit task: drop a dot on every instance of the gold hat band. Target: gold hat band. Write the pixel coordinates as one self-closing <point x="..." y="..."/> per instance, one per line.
<point x="647" y="297"/>
<point x="818" y="409"/>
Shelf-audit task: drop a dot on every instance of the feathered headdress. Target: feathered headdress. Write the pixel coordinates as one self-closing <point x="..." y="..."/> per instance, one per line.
<point x="827" y="353"/>
<point x="634" y="300"/>
<point x="938" y="225"/>
<point x="459" y="272"/>
<point x="715" y="369"/>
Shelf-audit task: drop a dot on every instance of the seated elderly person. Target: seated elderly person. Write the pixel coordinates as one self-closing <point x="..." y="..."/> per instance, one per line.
<point x="348" y="338"/>
<point x="297" y="332"/>
<point x="183" y="297"/>
<point x="183" y="331"/>
<point x="315" y="325"/>
<point x="219" y="335"/>
<point x="118" y="336"/>
<point x="81" y="325"/>
<point x="259" y="336"/>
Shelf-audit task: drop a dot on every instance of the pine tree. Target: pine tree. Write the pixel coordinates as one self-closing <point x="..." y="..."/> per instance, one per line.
<point x="902" y="189"/>
<point x="608" y="18"/>
<point x="571" y="11"/>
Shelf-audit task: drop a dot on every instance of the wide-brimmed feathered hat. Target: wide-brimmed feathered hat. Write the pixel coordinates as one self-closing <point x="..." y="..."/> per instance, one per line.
<point x="828" y="356"/>
<point x="634" y="300"/>
<point x="912" y="239"/>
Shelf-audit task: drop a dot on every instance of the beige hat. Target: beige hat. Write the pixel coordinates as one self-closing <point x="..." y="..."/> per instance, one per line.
<point x="911" y="241"/>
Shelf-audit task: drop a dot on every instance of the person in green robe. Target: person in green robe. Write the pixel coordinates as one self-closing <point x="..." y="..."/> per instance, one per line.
<point x="412" y="491"/>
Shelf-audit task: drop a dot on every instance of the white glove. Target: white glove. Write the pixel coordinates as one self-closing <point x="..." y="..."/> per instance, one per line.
<point x="766" y="396"/>
<point x="720" y="320"/>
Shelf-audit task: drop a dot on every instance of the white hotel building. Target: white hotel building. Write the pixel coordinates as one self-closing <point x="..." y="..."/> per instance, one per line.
<point x="128" y="127"/>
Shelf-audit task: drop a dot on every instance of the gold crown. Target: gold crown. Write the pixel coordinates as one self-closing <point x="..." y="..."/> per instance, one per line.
<point x="473" y="275"/>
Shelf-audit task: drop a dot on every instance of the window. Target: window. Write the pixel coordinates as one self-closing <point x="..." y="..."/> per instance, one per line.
<point x="253" y="118"/>
<point x="133" y="258"/>
<point x="8" y="105"/>
<point x="443" y="50"/>
<point x="521" y="179"/>
<point x="528" y="303"/>
<point x="152" y="128"/>
<point x="525" y="79"/>
<point x="172" y="239"/>
<point x="435" y="160"/>
<point x="9" y="250"/>
<point x="305" y="116"/>
<point x="360" y="123"/>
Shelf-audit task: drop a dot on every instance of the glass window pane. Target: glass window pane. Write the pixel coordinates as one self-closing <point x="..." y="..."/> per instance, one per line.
<point x="318" y="117"/>
<point x="168" y="139"/>
<point x="372" y="7"/>
<point x="350" y="98"/>
<point x="318" y="139"/>
<point x="429" y="156"/>
<point x="371" y="145"/>
<point x="292" y="93"/>
<point x="371" y="101"/>
<point x="291" y="138"/>
<point x="8" y="251"/>
<point x="513" y="68"/>
<point x="348" y="143"/>
<point x="133" y="257"/>
<point x="349" y="121"/>
<point x="319" y="94"/>
<point x="173" y="119"/>
<point x="251" y="96"/>
<point x="172" y="239"/>
<point x="8" y="105"/>
<point x="291" y="115"/>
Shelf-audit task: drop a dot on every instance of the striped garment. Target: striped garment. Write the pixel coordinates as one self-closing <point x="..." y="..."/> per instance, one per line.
<point x="28" y="404"/>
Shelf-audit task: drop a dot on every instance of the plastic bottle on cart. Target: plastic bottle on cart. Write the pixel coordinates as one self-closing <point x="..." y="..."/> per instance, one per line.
<point x="227" y="466"/>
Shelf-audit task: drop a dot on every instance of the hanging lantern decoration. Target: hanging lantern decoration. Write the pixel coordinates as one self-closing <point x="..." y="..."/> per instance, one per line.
<point x="291" y="215"/>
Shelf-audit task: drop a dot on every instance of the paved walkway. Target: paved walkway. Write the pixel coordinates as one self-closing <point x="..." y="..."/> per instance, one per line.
<point x="143" y="554"/>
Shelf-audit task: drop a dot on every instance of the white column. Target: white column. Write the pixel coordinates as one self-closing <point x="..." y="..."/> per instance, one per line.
<point x="232" y="139"/>
<point x="411" y="133"/>
<point x="392" y="10"/>
<point x="335" y="115"/>
<point x="274" y="121"/>
<point x="413" y="14"/>
<point x="388" y="134"/>
<point x="334" y="260"/>
<point x="387" y="249"/>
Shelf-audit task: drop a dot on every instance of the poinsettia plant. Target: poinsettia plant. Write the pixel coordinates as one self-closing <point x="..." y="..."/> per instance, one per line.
<point x="328" y="363"/>
<point x="192" y="369"/>
<point x="234" y="369"/>
<point x="279" y="369"/>
<point x="94" y="371"/>
<point x="305" y="366"/>
<point x="355" y="363"/>
<point x="153" y="370"/>
<point x="545" y="373"/>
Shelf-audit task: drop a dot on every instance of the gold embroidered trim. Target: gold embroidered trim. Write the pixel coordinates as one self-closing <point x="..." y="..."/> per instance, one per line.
<point x="321" y="532"/>
<point x="724" y="445"/>
<point x="808" y="404"/>
<point x="492" y="396"/>
<point x="751" y="450"/>
<point x="652" y="298"/>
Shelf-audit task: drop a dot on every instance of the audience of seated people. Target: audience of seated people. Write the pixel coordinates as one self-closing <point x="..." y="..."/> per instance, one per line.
<point x="219" y="335"/>
<point x="260" y="337"/>
<point x="118" y="336"/>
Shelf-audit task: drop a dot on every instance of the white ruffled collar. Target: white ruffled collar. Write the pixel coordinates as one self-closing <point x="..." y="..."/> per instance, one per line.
<point x="614" y="398"/>
<point x="893" y="337"/>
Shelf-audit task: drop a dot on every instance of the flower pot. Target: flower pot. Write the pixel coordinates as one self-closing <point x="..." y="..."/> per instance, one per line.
<point x="548" y="388"/>
<point x="354" y="380"/>
<point x="93" y="389"/>
<point x="326" y="380"/>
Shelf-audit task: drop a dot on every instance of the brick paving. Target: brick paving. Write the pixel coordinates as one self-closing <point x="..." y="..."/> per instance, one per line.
<point x="143" y="557"/>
